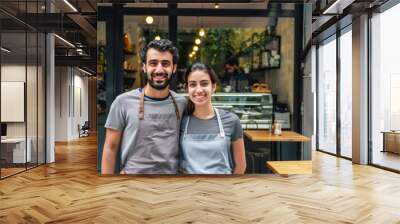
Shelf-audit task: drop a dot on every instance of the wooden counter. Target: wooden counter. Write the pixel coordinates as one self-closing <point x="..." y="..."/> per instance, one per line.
<point x="264" y="136"/>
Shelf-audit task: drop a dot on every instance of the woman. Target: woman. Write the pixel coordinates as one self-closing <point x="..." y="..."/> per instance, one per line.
<point x="210" y="138"/>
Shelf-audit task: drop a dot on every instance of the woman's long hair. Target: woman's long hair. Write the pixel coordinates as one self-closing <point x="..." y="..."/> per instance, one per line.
<point x="198" y="66"/>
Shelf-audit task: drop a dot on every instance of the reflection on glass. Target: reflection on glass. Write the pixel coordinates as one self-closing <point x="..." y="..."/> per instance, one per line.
<point x="346" y="94"/>
<point x="31" y="98"/>
<point x="327" y="97"/>
<point x="385" y="84"/>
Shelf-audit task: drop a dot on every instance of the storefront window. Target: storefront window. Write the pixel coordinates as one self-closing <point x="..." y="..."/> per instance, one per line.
<point x="385" y="89"/>
<point x="327" y="96"/>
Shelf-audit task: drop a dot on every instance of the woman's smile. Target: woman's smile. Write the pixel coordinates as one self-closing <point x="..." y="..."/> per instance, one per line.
<point x="200" y="97"/>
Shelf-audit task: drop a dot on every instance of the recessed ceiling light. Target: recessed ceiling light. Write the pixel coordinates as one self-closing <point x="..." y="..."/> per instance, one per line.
<point x="5" y="50"/>
<point x="84" y="71"/>
<point x="70" y="5"/>
<point x="65" y="41"/>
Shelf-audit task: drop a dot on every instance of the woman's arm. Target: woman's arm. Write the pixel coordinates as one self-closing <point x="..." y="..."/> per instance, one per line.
<point x="239" y="156"/>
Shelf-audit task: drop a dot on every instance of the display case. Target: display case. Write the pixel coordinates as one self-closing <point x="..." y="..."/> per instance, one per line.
<point x="253" y="109"/>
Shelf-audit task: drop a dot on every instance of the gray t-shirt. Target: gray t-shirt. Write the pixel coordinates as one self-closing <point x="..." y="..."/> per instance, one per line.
<point x="124" y="115"/>
<point x="230" y="122"/>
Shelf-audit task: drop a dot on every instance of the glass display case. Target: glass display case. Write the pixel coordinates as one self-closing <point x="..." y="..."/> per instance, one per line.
<point x="253" y="109"/>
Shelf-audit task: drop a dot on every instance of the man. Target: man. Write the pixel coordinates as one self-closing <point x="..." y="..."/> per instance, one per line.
<point x="145" y="122"/>
<point x="233" y="77"/>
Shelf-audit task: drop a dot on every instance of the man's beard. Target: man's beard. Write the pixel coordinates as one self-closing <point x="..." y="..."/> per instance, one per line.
<point x="157" y="85"/>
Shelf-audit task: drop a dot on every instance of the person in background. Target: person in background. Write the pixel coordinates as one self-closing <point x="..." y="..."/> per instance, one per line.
<point x="234" y="77"/>
<point x="145" y="122"/>
<point x="211" y="139"/>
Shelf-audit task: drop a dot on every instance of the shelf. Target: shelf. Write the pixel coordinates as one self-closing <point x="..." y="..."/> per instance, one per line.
<point x="130" y="71"/>
<point x="126" y="52"/>
<point x="256" y="121"/>
<point x="265" y="68"/>
<point x="236" y="103"/>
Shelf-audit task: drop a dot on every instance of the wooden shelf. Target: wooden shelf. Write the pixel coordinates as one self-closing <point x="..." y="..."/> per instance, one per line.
<point x="130" y="71"/>
<point x="126" y="52"/>
<point x="265" y="68"/>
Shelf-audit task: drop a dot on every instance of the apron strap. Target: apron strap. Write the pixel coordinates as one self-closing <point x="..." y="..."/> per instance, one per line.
<point x="141" y="106"/>
<point x="186" y="125"/>
<point x="221" y="128"/>
<point x="175" y="105"/>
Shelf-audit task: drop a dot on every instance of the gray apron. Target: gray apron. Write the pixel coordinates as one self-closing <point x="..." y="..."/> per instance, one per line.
<point x="206" y="153"/>
<point x="156" y="144"/>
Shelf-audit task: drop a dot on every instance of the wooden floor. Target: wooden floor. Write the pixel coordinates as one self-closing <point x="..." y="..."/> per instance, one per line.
<point x="10" y="171"/>
<point x="70" y="191"/>
<point x="386" y="159"/>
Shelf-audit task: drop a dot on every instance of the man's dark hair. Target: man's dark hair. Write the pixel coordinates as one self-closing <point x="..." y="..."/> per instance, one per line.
<point x="232" y="60"/>
<point x="162" y="46"/>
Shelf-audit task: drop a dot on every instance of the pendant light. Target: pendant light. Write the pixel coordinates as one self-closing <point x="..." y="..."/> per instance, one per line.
<point x="149" y="20"/>
<point x="202" y="33"/>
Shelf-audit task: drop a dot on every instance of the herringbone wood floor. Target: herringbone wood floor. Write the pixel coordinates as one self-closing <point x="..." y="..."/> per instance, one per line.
<point x="70" y="191"/>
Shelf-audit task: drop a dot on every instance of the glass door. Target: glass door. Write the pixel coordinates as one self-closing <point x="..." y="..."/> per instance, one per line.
<point x="346" y="93"/>
<point x="385" y="89"/>
<point x="327" y="128"/>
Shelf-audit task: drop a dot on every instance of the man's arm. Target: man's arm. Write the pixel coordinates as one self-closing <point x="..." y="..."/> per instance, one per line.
<point x="110" y="149"/>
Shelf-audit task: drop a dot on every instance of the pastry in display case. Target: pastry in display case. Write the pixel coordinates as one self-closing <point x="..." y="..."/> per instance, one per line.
<point x="253" y="109"/>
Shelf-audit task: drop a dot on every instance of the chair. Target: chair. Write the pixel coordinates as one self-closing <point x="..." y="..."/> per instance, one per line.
<point x="84" y="130"/>
<point x="256" y="159"/>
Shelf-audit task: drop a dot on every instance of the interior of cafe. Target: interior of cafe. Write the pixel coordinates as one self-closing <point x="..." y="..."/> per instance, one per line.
<point x="252" y="51"/>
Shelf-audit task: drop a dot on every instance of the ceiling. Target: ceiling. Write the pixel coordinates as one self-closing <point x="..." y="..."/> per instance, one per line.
<point x="81" y="26"/>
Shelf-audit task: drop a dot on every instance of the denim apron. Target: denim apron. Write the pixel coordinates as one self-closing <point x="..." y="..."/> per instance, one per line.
<point x="206" y="153"/>
<point x="156" y="144"/>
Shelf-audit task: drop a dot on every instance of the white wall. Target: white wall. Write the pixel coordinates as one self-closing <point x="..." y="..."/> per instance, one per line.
<point x="33" y="127"/>
<point x="16" y="73"/>
<point x="61" y="103"/>
<point x="71" y="94"/>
